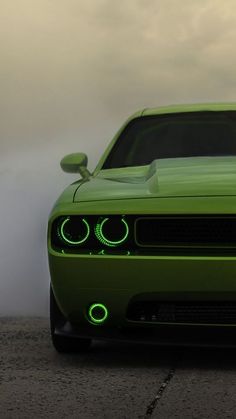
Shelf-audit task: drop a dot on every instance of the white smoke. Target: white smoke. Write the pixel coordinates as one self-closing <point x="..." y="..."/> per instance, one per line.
<point x="70" y="73"/>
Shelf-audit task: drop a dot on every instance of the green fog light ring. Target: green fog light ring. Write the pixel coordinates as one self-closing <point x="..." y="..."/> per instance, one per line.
<point x="104" y="240"/>
<point x="70" y="241"/>
<point x="94" y="319"/>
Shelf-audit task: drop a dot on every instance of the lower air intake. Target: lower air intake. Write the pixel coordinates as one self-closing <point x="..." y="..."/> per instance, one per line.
<point x="183" y="312"/>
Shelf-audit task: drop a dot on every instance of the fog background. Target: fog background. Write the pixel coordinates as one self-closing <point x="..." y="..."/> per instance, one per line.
<point x="71" y="72"/>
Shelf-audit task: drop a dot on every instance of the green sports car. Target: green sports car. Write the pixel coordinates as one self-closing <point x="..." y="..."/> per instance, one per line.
<point x="144" y="248"/>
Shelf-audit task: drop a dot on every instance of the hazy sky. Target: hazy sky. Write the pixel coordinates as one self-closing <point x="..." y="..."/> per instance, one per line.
<point x="70" y="67"/>
<point x="71" y="72"/>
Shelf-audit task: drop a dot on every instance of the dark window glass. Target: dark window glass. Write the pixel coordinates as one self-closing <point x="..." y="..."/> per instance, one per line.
<point x="178" y="135"/>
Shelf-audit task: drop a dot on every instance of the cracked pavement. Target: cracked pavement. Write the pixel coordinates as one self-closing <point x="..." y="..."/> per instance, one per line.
<point x="112" y="380"/>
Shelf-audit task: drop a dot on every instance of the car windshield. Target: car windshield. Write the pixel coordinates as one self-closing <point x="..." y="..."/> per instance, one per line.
<point x="190" y="134"/>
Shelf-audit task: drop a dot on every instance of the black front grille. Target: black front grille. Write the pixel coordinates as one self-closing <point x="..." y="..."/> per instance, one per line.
<point x="183" y="312"/>
<point x="186" y="231"/>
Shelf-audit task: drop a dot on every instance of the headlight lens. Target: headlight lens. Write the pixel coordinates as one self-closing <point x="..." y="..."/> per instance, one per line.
<point x="92" y="233"/>
<point x="112" y="231"/>
<point x="74" y="231"/>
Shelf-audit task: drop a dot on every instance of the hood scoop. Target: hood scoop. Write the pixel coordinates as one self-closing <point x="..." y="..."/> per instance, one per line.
<point x="195" y="176"/>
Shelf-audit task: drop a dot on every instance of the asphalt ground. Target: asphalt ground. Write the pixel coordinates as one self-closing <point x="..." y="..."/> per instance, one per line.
<point x="112" y="380"/>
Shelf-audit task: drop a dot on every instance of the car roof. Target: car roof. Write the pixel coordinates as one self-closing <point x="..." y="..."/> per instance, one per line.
<point x="195" y="107"/>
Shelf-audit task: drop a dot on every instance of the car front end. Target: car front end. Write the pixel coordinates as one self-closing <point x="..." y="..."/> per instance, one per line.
<point x="148" y="253"/>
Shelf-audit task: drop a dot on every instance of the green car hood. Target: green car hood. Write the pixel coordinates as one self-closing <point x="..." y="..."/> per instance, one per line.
<point x="178" y="177"/>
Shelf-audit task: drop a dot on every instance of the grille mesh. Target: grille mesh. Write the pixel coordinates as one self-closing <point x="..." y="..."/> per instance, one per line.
<point x="193" y="231"/>
<point x="183" y="312"/>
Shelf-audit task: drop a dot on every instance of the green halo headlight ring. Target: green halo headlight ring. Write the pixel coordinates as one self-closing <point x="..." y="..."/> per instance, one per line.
<point x="104" y="240"/>
<point x="94" y="319"/>
<point x="71" y="241"/>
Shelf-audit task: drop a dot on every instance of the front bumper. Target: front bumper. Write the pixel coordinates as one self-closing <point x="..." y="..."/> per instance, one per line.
<point x="81" y="280"/>
<point x="178" y="335"/>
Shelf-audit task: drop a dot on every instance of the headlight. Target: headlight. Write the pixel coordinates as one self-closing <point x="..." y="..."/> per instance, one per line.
<point x="112" y="231"/>
<point x="92" y="233"/>
<point x="74" y="230"/>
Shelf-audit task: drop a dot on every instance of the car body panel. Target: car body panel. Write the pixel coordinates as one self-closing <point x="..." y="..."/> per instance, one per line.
<point x="195" y="107"/>
<point x="196" y="176"/>
<point x="180" y="205"/>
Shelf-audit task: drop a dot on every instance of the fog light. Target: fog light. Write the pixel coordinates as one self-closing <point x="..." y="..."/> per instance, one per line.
<point x="97" y="313"/>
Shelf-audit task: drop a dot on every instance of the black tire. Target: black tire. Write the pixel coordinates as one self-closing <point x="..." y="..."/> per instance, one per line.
<point x="64" y="344"/>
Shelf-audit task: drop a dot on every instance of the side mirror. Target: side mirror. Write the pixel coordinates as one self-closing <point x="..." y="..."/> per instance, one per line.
<point x="76" y="163"/>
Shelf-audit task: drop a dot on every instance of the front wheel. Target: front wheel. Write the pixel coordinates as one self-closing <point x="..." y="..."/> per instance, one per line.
<point x="64" y="344"/>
